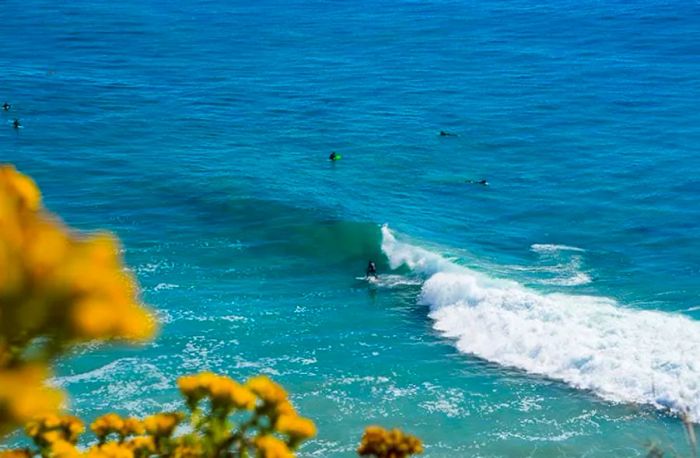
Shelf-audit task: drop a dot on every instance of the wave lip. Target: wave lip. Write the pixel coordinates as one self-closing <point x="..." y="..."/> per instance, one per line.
<point x="593" y="343"/>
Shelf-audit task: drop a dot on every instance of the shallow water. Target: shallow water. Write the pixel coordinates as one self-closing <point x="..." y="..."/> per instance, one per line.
<point x="551" y="313"/>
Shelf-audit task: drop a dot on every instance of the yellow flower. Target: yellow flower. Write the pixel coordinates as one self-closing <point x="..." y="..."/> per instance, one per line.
<point x="52" y="428"/>
<point x="226" y="393"/>
<point x="135" y="324"/>
<point x="41" y="423"/>
<point x="296" y="427"/>
<point x="188" y="449"/>
<point x="24" y="396"/>
<point x="162" y="424"/>
<point x="56" y="288"/>
<point x="108" y="307"/>
<point x="131" y="426"/>
<point x="285" y="408"/>
<point x="270" y="447"/>
<point x="188" y="384"/>
<point x="106" y="424"/>
<point x="93" y="319"/>
<point x="21" y="187"/>
<point x="142" y="444"/>
<point x="63" y="449"/>
<point x="382" y="443"/>
<point x="17" y="453"/>
<point x="191" y="388"/>
<point x="51" y="436"/>
<point x="267" y="390"/>
<point x="205" y="380"/>
<point x="45" y="248"/>
<point x="110" y="450"/>
<point x="73" y="427"/>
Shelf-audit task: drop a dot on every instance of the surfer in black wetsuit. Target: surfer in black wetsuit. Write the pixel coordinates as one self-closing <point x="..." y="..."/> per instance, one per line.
<point x="481" y="182"/>
<point x="333" y="156"/>
<point x="16" y="124"/>
<point x="6" y="106"/>
<point x="371" y="269"/>
<point x="447" y="134"/>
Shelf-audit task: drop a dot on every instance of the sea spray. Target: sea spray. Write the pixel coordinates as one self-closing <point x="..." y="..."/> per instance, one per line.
<point x="594" y="343"/>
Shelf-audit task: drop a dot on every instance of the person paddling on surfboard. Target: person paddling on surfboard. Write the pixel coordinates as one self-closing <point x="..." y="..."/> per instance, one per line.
<point x="6" y="106"/>
<point x="371" y="269"/>
<point x="334" y="156"/>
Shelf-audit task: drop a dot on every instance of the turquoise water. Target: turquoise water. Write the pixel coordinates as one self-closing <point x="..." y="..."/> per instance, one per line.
<point x="554" y="312"/>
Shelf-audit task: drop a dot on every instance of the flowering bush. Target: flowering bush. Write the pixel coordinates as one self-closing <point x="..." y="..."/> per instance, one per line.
<point x="58" y="289"/>
<point x="225" y="419"/>
<point x="382" y="443"/>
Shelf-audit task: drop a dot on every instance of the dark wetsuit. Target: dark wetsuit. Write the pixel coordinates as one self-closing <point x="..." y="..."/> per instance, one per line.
<point x="333" y="156"/>
<point x="371" y="270"/>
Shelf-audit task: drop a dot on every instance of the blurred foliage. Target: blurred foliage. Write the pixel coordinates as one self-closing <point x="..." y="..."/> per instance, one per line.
<point x="57" y="288"/>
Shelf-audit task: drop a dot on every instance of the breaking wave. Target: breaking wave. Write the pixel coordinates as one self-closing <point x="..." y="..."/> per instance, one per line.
<point x="589" y="342"/>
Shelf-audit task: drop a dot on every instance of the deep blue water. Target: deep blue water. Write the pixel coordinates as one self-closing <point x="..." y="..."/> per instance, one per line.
<point x="554" y="312"/>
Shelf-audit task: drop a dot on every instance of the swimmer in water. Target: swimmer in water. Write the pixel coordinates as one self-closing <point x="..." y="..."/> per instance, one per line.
<point x="6" y="106"/>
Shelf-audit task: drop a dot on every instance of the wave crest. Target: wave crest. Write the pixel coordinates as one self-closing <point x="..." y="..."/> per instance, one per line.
<point x="621" y="354"/>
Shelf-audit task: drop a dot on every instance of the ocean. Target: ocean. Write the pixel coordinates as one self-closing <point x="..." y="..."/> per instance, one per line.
<point x="554" y="312"/>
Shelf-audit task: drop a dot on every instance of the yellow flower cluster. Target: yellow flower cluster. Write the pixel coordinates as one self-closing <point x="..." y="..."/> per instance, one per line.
<point x="295" y="427"/>
<point x="18" y="453"/>
<point x="188" y="449"/>
<point x="162" y="424"/>
<point x="142" y="445"/>
<point x="56" y="289"/>
<point x="382" y="443"/>
<point x="24" y="396"/>
<point x="268" y="391"/>
<point x="269" y="446"/>
<point x="55" y="283"/>
<point x="259" y="394"/>
<point x="225" y="394"/>
<point x="273" y="428"/>
<point x="113" y="423"/>
<point x="52" y="428"/>
<point x="107" y="450"/>
<point x="106" y="424"/>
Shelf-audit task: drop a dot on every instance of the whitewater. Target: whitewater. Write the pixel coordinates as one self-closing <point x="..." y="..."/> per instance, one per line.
<point x="591" y="343"/>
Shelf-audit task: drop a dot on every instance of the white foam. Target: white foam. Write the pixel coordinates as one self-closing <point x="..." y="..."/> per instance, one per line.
<point x="560" y="274"/>
<point x="161" y="286"/>
<point x="391" y="281"/>
<point x="572" y="279"/>
<point x="593" y="343"/>
<point x="550" y="248"/>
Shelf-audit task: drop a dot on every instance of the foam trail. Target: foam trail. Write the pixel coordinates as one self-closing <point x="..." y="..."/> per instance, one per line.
<point x="623" y="355"/>
<point x="547" y="248"/>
